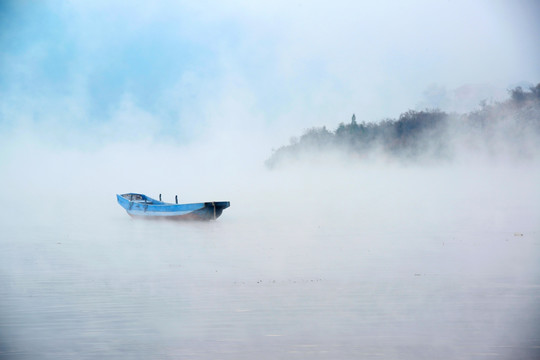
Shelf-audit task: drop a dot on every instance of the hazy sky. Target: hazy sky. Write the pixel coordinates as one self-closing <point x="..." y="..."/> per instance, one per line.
<point x="183" y="71"/>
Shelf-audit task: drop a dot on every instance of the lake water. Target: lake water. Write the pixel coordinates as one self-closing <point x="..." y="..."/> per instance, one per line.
<point x="365" y="276"/>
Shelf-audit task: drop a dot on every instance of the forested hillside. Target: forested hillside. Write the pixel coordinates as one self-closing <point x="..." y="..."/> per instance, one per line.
<point x="509" y="129"/>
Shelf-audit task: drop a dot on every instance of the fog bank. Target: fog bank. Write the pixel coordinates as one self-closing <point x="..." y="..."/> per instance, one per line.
<point x="325" y="260"/>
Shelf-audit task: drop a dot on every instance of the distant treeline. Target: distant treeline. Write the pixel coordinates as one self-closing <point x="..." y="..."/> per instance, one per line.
<point x="510" y="128"/>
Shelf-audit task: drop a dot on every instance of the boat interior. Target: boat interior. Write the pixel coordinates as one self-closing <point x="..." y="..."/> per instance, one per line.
<point x="139" y="198"/>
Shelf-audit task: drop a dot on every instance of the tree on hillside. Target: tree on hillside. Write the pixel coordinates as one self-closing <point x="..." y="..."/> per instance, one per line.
<point x="421" y="134"/>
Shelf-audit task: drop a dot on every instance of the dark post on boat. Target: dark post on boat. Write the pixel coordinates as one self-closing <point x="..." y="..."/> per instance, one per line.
<point x="176" y="198"/>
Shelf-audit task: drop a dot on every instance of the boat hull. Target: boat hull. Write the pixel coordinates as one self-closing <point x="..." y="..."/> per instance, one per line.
<point x="140" y="206"/>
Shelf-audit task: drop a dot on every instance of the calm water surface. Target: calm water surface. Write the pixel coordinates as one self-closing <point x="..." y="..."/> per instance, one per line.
<point x="362" y="284"/>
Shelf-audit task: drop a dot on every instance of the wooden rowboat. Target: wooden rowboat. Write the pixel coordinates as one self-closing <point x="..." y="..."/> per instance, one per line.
<point x="142" y="206"/>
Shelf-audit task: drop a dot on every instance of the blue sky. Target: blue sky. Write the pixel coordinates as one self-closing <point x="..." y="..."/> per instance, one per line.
<point x="183" y="71"/>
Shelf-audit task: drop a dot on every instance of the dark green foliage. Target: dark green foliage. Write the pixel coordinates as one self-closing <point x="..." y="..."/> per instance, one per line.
<point x="317" y="137"/>
<point x="519" y="95"/>
<point x="430" y="134"/>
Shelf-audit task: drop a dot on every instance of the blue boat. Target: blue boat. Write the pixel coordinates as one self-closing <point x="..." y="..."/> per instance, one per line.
<point x="142" y="206"/>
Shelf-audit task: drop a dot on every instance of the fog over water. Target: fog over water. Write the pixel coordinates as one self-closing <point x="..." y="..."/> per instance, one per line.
<point x="327" y="256"/>
<point x="326" y="261"/>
